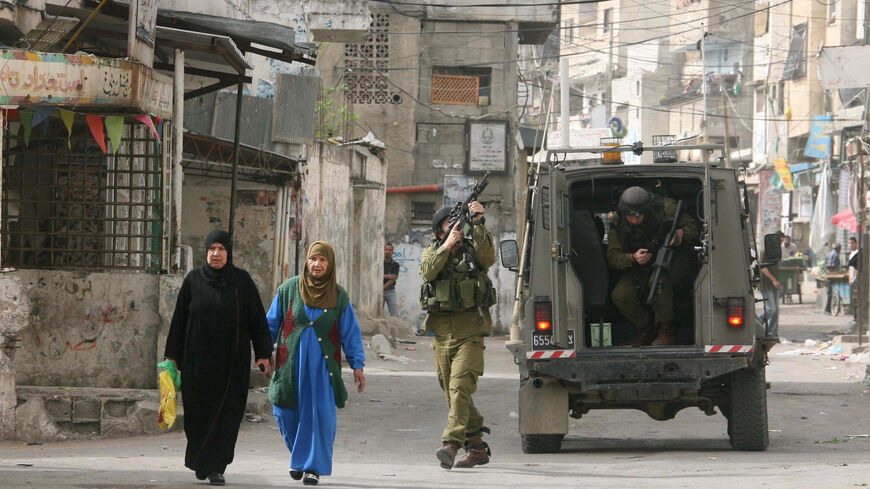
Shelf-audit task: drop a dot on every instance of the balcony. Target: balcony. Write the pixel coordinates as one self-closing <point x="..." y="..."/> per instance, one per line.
<point x="692" y="88"/>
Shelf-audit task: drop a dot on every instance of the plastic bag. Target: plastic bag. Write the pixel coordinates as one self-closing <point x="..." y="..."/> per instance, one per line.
<point x="170" y="380"/>
<point x="168" y="366"/>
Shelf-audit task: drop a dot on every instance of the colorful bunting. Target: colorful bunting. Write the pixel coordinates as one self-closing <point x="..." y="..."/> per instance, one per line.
<point x="26" y="118"/>
<point x="69" y="118"/>
<point x="100" y="126"/>
<point x="40" y="114"/>
<point x="114" y="126"/>
<point x="95" y="123"/>
<point x="146" y="119"/>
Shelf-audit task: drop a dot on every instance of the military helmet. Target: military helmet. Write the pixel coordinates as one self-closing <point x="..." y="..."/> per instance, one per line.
<point x="443" y="213"/>
<point x="634" y="201"/>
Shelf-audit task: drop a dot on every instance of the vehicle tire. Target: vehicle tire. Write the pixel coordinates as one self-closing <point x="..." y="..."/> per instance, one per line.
<point x="747" y="420"/>
<point x="542" y="443"/>
<point x="836" y="304"/>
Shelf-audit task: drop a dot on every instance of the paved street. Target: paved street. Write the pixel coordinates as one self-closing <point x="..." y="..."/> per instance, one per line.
<point x="387" y="437"/>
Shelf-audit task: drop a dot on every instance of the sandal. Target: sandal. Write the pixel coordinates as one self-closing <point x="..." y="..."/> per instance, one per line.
<point x="310" y="479"/>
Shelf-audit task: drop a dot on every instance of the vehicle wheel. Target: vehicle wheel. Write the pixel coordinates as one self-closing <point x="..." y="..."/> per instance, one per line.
<point x="542" y="443"/>
<point x="836" y="304"/>
<point x="747" y="420"/>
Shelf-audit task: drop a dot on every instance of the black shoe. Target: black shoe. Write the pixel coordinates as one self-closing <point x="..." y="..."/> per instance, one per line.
<point x="216" y="479"/>
<point x="295" y="474"/>
<point x="201" y="475"/>
<point x="310" y="479"/>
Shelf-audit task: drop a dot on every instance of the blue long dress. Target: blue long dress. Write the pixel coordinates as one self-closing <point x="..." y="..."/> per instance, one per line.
<point x="309" y="430"/>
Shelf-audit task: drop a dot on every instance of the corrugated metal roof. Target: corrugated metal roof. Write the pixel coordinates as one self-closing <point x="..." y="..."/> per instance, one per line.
<point x="295" y="99"/>
<point x="256" y="120"/>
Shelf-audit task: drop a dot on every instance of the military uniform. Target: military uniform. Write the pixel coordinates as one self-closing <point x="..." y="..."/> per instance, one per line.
<point x="623" y="240"/>
<point x="457" y="298"/>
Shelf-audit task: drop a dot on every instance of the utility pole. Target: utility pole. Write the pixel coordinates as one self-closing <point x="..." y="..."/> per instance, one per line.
<point x="609" y="88"/>
<point x="703" y="83"/>
<point x="722" y="98"/>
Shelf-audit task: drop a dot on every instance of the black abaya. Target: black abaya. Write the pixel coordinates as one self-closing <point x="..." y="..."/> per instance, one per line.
<point x="213" y="327"/>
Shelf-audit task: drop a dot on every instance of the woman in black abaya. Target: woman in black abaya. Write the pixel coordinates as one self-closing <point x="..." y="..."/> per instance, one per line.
<point x="218" y="316"/>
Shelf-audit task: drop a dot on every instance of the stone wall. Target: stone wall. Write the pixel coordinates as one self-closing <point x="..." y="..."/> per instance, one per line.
<point x="207" y="207"/>
<point x="84" y="329"/>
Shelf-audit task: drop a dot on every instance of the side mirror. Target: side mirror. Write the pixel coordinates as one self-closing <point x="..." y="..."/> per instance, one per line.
<point x="772" y="250"/>
<point x="510" y="254"/>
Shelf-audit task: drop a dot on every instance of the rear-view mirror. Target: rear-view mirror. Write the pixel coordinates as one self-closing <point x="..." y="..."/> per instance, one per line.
<point x="772" y="251"/>
<point x="510" y="253"/>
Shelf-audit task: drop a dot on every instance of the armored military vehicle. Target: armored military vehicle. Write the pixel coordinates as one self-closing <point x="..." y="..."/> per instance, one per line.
<point x="574" y="348"/>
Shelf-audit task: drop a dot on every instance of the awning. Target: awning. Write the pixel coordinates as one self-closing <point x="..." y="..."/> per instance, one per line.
<point x="279" y="39"/>
<point x="209" y="156"/>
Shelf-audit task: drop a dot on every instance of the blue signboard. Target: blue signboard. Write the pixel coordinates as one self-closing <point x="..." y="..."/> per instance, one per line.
<point x="819" y="142"/>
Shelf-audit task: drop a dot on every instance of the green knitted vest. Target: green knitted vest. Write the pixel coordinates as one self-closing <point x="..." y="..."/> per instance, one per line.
<point x="282" y="389"/>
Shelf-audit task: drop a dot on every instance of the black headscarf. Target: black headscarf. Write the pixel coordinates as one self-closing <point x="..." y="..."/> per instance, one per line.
<point x="220" y="277"/>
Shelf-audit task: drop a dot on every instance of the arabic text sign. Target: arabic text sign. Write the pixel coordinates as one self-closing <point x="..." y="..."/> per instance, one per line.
<point x="487" y="150"/>
<point x="32" y="78"/>
<point x="819" y="141"/>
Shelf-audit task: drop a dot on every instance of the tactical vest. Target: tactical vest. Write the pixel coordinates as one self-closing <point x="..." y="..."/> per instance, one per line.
<point x="457" y="289"/>
<point x="640" y="236"/>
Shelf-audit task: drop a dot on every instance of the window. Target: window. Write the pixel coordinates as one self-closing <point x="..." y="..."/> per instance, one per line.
<point x="832" y="11"/>
<point x="762" y="18"/>
<point x="568" y="32"/>
<point x="422" y="211"/>
<point x="78" y="208"/>
<point x="461" y="86"/>
<point x="759" y="99"/>
<point x="366" y="66"/>
<point x="608" y="20"/>
<point x="796" y="62"/>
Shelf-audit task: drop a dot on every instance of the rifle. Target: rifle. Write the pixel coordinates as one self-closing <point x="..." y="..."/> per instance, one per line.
<point x="459" y="213"/>
<point x="664" y="255"/>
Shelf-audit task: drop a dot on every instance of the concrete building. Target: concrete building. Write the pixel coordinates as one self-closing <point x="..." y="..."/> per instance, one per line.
<point x="95" y="239"/>
<point x="430" y="82"/>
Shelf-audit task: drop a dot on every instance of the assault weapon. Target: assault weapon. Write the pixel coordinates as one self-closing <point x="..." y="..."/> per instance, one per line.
<point x="460" y="213"/>
<point x="664" y="255"/>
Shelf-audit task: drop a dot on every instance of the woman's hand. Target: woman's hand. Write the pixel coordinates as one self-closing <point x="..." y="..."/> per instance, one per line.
<point x="265" y="366"/>
<point x="359" y="378"/>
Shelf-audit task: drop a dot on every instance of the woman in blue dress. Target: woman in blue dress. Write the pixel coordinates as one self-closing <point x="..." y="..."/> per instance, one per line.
<point x="311" y="319"/>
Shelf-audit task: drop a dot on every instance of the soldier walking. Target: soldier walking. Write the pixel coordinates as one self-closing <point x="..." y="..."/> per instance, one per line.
<point x="457" y="295"/>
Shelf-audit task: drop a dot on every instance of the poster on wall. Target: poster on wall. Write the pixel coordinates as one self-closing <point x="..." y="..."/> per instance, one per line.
<point x="457" y="188"/>
<point x="146" y="20"/>
<point x="487" y="147"/>
<point x="769" y="205"/>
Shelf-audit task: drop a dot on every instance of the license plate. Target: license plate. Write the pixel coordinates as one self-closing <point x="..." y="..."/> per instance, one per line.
<point x="544" y="341"/>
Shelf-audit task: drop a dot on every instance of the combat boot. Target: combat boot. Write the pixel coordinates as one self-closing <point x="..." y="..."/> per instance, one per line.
<point x="475" y="454"/>
<point x="447" y="454"/>
<point x="643" y="338"/>
<point x="664" y="336"/>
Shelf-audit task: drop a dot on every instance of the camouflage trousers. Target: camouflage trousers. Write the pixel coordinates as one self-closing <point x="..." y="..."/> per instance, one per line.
<point x="459" y="362"/>
<point x="630" y="293"/>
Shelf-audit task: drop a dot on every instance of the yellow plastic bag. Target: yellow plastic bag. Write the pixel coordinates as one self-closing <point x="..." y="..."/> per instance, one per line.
<point x="166" y="414"/>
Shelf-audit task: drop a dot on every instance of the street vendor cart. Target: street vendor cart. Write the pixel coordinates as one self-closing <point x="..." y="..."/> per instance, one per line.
<point x="790" y="275"/>
<point x="841" y="298"/>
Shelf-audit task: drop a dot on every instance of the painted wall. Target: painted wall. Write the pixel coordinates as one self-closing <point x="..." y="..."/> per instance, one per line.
<point x="234" y="9"/>
<point x="207" y="207"/>
<point x="14" y="317"/>
<point x="87" y="329"/>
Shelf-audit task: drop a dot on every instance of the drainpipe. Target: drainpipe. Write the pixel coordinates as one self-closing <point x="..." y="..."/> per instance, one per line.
<point x="416" y="189"/>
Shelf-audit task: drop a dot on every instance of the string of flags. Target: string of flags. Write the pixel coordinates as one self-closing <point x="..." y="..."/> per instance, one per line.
<point x="99" y="125"/>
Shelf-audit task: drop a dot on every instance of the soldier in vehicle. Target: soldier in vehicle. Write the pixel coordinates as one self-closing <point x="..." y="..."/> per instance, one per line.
<point x="457" y="295"/>
<point x="630" y="248"/>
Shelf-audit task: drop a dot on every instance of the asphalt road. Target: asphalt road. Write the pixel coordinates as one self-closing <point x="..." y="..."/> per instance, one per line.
<point x="388" y="435"/>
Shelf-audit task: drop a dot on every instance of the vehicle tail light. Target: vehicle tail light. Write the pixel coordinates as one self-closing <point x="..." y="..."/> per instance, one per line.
<point x="543" y="313"/>
<point x="735" y="313"/>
